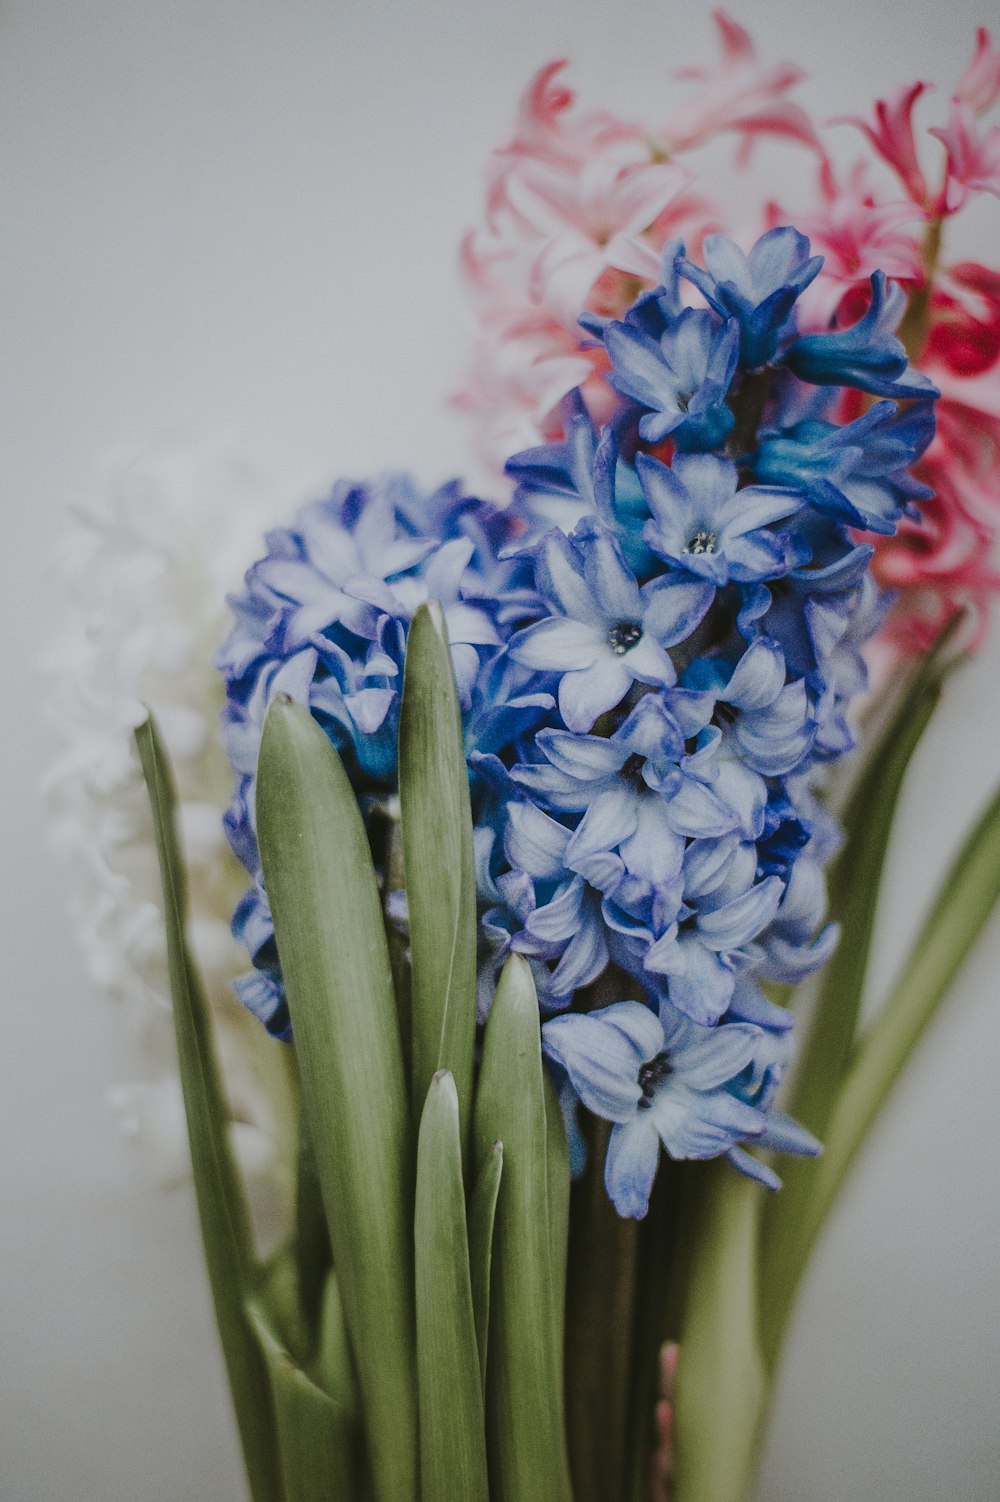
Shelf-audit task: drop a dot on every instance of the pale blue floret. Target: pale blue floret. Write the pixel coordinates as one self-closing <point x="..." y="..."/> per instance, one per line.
<point x="660" y="1079"/>
<point x="682" y="378"/>
<point x="759" y="290"/>
<point x="723" y="910"/>
<point x="701" y="521"/>
<point x="608" y="633"/>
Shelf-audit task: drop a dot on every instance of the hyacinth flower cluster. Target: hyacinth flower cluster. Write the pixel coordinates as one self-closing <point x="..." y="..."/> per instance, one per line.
<point x="656" y="647"/>
<point x="581" y="202"/>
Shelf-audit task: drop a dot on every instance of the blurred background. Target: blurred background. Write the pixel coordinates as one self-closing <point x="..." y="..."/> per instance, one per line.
<point x="229" y="219"/>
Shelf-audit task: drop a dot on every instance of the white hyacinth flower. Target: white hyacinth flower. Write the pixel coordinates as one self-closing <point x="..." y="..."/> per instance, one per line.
<point x="145" y="567"/>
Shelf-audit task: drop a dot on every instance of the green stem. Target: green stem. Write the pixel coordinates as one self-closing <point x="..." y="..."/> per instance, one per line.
<point x="964" y="902"/>
<point x="916" y="321"/>
<point x="721" y="1379"/>
<point x="658" y="1295"/>
<point x="599" y="1318"/>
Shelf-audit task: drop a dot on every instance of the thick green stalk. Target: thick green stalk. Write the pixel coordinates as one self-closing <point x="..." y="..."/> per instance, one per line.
<point x="439" y="864"/>
<point x="449" y="1382"/>
<point x="331" y="942"/>
<point x="525" y="1429"/>
<point x="317" y="1438"/>
<point x="721" y="1381"/>
<point x="599" y="1327"/>
<point x="222" y="1208"/>
<point x="964" y="902"/>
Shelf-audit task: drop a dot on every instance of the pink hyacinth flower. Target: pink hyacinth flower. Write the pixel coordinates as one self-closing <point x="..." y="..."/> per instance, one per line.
<point x="590" y="220"/>
<point x="548" y="130"/>
<point x="856" y="235"/>
<point x="979" y="85"/>
<point x="891" y="134"/>
<point x="973" y="159"/>
<point x="738" y="94"/>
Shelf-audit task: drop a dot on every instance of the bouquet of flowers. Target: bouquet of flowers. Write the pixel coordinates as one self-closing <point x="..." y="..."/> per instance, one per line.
<point x="551" y="807"/>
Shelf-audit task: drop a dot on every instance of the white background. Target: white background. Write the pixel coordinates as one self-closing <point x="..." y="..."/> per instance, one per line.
<point x="240" y="216"/>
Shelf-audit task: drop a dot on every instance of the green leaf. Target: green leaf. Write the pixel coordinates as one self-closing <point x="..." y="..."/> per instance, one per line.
<point x="439" y="863"/>
<point x="222" y="1209"/>
<point x="720" y="1380"/>
<point x="482" y="1213"/>
<point x="318" y="1442"/>
<point x="964" y="902"/>
<point x="335" y="1372"/>
<point x="331" y="942"/>
<point x="524" y="1413"/>
<point x="557" y="1172"/>
<point x="452" y="1433"/>
<point x="854" y="881"/>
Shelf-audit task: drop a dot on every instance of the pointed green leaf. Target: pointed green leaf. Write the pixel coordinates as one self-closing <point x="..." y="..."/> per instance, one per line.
<point x="964" y="902"/>
<point x="524" y="1421"/>
<point x="318" y="1443"/>
<point x="452" y="1432"/>
<point x="482" y="1212"/>
<point x="720" y="1379"/>
<point x="331" y="942"/>
<point x="335" y="1371"/>
<point x="438" y="862"/>
<point x="222" y="1209"/>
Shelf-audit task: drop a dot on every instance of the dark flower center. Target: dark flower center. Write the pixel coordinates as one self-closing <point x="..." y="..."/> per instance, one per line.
<point x="632" y="772"/>
<point x="623" y="636"/>
<point x="701" y="542"/>
<point x="726" y="713"/>
<point x="650" y="1076"/>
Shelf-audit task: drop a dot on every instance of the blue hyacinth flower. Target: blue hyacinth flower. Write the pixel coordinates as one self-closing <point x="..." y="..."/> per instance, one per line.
<point x="867" y="356"/>
<point x="723" y="910"/>
<point x="659" y="1079"/>
<point x="856" y="473"/>
<point x="703" y="523"/>
<point x="639" y="801"/>
<point x="607" y="633"/>
<point x="759" y="290"/>
<point x="682" y="377"/>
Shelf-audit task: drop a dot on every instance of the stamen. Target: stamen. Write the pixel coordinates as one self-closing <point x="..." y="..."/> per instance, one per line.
<point x="623" y="636"/>
<point x="651" y="1074"/>
<point x="701" y="542"/>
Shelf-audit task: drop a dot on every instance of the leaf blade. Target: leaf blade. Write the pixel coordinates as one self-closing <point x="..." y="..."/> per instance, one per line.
<point x="439" y="863"/>
<point x="525" y="1423"/>
<point x="317" y="1439"/>
<point x="222" y="1208"/>
<point x="452" y="1429"/>
<point x="317" y="862"/>
<point x="482" y="1216"/>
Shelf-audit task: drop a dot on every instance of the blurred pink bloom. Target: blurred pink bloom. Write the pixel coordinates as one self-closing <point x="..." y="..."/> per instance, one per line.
<point x="979" y="85"/>
<point x="973" y="159"/>
<point x="856" y="235"/>
<point x="588" y="220"/>
<point x="891" y="134"/>
<point x="547" y="130"/>
<point x="738" y="94"/>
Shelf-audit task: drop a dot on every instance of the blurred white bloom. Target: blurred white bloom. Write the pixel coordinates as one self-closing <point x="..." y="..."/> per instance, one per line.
<point x="145" y="567"/>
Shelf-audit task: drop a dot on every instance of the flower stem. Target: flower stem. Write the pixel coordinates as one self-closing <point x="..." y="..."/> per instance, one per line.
<point x="721" y="1379"/>
<point x="916" y="321"/>
<point x="599" y="1325"/>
